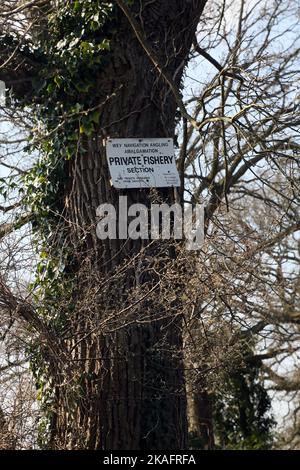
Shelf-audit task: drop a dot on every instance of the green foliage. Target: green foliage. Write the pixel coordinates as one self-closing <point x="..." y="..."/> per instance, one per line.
<point x="71" y="51"/>
<point x="65" y="110"/>
<point x="75" y="49"/>
<point x="80" y="36"/>
<point x="242" y="418"/>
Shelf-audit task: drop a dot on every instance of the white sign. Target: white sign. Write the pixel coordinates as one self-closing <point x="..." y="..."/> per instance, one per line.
<point x="142" y="163"/>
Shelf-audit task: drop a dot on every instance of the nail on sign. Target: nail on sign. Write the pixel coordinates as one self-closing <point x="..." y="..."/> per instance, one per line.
<point x="142" y="163"/>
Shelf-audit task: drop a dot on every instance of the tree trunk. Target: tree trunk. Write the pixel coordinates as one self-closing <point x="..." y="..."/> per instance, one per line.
<point x="132" y="392"/>
<point x="201" y="420"/>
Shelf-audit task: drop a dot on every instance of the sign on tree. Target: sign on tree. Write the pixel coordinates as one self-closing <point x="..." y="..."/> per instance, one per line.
<point x="142" y="163"/>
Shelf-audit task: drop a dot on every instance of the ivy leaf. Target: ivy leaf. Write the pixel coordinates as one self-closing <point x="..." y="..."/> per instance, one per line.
<point x="95" y="117"/>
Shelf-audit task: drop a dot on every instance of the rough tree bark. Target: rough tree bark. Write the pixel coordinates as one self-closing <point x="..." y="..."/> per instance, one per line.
<point x="134" y="393"/>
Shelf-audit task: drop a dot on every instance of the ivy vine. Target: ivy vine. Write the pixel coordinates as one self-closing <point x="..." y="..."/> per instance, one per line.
<point x="64" y="107"/>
